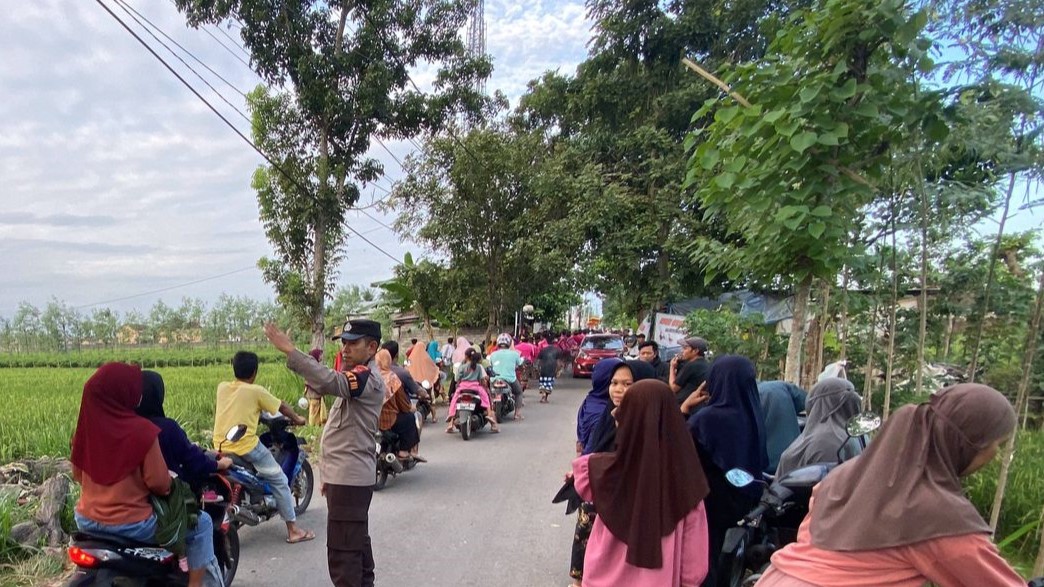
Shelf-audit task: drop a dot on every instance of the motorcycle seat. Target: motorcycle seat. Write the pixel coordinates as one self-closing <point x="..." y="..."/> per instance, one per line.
<point x="111" y="540"/>
<point x="389" y="436"/>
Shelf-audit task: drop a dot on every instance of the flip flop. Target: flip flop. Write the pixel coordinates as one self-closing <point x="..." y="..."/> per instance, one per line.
<point x="309" y="535"/>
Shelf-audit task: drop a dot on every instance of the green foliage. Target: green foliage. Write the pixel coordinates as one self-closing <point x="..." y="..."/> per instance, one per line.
<point x="733" y="334"/>
<point x="790" y="176"/>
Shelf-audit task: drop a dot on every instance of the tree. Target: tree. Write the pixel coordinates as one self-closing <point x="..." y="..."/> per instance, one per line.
<point x="26" y="323"/>
<point x="616" y="130"/>
<point x="345" y="87"/>
<point x="470" y="199"/>
<point x="790" y="168"/>
<point x="350" y="300"/>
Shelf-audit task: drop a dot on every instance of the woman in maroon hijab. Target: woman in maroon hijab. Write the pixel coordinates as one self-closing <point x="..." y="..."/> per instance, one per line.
<point x="897" y="514"/>
<point x="651" y="529"/>
<point x="117" y="460"/>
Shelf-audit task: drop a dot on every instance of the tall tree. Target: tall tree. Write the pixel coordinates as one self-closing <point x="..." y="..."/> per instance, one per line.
<point x="344" y="87"/>
<point x="790" y="168"/>
<point x="469" y="199"/>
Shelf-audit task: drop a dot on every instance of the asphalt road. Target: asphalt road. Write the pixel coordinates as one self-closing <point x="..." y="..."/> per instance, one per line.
<point x="478" y="513"/>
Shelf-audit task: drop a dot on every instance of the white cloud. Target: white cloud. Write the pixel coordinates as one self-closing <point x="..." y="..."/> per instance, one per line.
<point x="118" y="181"/>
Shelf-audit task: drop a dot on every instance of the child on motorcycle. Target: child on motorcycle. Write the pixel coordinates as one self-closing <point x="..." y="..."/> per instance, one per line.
<point x="471" y="376"/>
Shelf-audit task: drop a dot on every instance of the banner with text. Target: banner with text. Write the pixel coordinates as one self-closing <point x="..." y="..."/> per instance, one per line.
<point x="669" y="330"/>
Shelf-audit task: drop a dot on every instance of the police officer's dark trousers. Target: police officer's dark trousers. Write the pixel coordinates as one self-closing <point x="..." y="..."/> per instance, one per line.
<point x="348" y="550"/>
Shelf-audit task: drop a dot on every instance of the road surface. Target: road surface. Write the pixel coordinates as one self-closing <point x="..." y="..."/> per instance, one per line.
<point x="478" y="513"/>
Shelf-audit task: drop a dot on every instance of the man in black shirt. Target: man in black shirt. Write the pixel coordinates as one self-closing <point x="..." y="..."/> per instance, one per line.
<point x="689" y="369"/>
<point x="649" y="352"/>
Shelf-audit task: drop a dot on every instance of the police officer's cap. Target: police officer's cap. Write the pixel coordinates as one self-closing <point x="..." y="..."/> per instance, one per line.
<point x="356" y="329"/>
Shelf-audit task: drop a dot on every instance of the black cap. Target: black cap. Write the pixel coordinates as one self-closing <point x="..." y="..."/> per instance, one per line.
<point x="356" y="329"/>
<point x="696" y="343"/>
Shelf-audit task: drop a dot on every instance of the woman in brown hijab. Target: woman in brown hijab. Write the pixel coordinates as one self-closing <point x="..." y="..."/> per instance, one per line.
<point x="897" y="515"/>
<point x="651" y="529"/>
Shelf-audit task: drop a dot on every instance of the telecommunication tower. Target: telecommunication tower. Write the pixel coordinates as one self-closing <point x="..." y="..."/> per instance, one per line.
<point x="477" y="39"/>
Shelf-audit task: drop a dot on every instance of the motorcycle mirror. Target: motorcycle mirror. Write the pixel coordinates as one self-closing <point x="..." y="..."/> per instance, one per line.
<point x="426" y="384"/>
<point x="863" y="423"/>
<point x="739" y="477"/>
<point x="236" y="432"/>
<point x="303" y="403"/>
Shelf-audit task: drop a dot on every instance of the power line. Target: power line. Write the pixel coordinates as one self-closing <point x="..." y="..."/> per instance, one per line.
<point x="190" y="54"/>
<point x="226" y="121"/>
<point x="163" y="289"/>
<point x="231" y="40"/>
<point x="230" y="51"/>
<point x="123" y="6"/>
<point x="374" y="218"/>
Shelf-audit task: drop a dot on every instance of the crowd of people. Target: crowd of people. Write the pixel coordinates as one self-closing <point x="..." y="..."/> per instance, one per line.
<point x="655" y="503"/>
<point x="654" y="442"/>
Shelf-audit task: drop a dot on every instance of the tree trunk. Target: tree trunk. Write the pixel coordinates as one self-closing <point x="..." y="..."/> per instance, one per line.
<point x="824" y="324"/>
<point x="868" y="382"/>
<point x="890" y="360"/>
<point x="947" y="338"/>
<point x="797" y="331"/>
<point x="1021" y="399"/>
<point x="974" y="365"/>
<point x="844" y="315"/>
<point x="923" y="327"/>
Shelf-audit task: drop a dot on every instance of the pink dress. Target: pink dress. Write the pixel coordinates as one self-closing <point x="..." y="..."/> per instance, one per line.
<point x="605" y="564"/>
<point x="969" y="560"/>
<point x="473" y="387"/>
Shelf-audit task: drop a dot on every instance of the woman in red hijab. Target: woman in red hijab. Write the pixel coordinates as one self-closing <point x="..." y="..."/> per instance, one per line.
<point x="117" y="460"/>
<point x="651" y="529"/>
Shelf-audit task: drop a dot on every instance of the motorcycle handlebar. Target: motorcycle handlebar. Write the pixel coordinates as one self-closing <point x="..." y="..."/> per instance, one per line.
<point x="756" y="512"/>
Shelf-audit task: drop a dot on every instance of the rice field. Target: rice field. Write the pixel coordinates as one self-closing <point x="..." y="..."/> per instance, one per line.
<point x="40" y="405"/>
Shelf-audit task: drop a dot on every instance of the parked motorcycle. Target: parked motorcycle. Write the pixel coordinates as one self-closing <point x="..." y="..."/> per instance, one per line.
<point x="104" y="560"/>
<point x="252" y="498"/>
<point x="471" y="416"/>
<point x="774" y="522"/>
<point x="503" y="399"/>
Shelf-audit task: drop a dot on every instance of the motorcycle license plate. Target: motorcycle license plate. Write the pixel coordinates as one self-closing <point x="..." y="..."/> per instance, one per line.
<point x="465" y="406"/>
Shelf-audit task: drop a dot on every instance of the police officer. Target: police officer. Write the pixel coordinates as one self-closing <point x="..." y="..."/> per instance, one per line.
<point x="348" y="467"/>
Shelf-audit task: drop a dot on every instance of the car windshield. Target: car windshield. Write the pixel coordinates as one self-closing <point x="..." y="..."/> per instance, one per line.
<point x="603" y="344"/>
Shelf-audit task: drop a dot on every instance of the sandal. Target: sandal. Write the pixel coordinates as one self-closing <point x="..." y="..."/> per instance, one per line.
<point x="308" y="535"/>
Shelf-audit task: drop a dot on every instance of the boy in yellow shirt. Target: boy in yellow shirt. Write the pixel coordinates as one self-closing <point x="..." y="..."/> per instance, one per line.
<point x="241" y="402"/>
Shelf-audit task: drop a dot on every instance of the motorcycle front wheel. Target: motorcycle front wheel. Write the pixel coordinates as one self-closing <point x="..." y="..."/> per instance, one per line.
<point x="302" y="488"/>
<point x="232" y="542"/>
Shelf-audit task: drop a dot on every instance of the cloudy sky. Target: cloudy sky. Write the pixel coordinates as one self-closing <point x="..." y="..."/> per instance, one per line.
<point x="119" y="186"/>
<point x="117" y="181"/>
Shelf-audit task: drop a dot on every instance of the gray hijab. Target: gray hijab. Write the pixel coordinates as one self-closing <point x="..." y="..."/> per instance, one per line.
<point x="830" y="404"/>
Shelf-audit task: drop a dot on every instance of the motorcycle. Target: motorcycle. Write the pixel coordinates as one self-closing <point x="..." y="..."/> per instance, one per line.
<point x="774" y="522"/>
<point x="503" y="399"/>
<point x="252" y="498"/>
<point x="423" y="405"/>
<point x="389" y="464"/>
<point x="471" y="416"/>
<point x="104" y="560"/>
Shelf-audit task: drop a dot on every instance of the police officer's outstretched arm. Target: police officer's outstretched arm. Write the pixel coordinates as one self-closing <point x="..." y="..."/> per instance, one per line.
<point x="319" y="377"/>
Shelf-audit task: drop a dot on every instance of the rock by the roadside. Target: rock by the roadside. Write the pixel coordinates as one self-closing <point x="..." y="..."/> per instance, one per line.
<point x="10" y="492"/>
<point x="26" y="534"/>
<point x="53" y="495"/>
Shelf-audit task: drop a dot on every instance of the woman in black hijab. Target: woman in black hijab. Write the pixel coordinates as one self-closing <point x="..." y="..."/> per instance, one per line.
<point x="729" y="434"/>
<point x="190" y="462"/>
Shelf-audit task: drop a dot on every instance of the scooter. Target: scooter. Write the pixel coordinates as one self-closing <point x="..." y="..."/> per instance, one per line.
<point x="252" y="498"/>
<point x="773" y="523"/>
<point x="471" y="416"/>
<point x="503" y="399"/>
<point x="104" y="560"/>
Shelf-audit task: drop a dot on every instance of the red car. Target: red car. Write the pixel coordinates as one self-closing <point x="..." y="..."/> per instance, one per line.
<point x="595" y="348"/>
